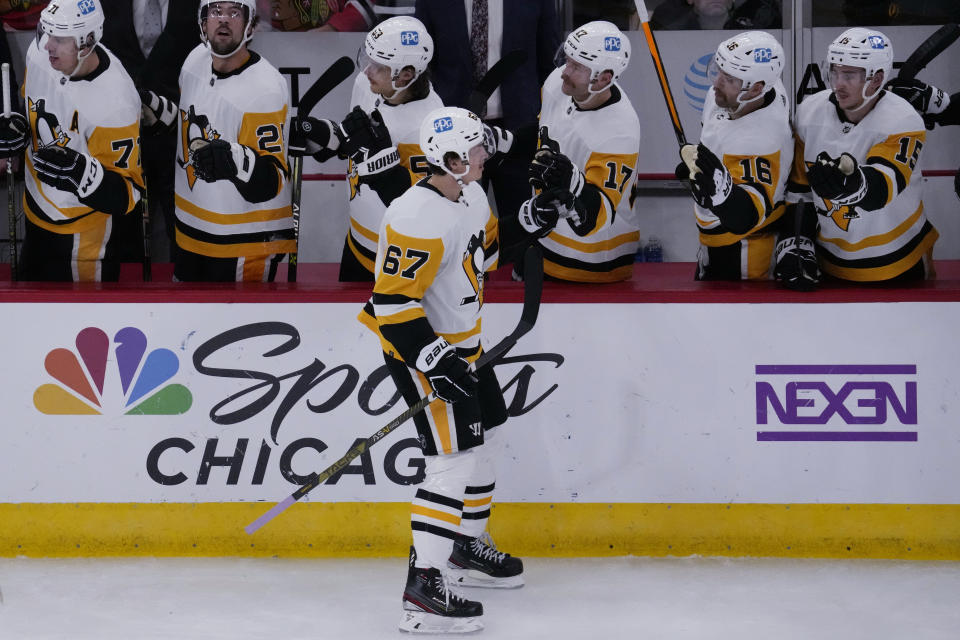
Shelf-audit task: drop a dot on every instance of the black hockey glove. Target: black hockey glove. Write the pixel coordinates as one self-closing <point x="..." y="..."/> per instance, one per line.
<point x="157" y="113"/>
<point x="221" y="160"/>
<point x="925" y="98"/>
<point x="448" y="373"/>
<point x="364" y="135"/>
<point x="68" y="170"/>
<point x="550" y="169"/>
<point x="314" y="137"/>
<point x="710" y="182"/>
<point x="13" y="134"/>
<point x="839" y="180"/>
<point x="540" y="214"/>
<point x="797" y="266"/>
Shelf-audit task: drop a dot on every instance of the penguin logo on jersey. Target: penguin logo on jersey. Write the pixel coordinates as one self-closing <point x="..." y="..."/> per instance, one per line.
<point x="45" y="125"/>
<point x="194" y="128"/>
<point x="473" y="267"/>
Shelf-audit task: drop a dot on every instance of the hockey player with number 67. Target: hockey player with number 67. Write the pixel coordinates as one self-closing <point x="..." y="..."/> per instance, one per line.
<point x="436" y="242"/>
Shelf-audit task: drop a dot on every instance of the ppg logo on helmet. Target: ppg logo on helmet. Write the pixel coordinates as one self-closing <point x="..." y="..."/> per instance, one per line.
<point x="762" y="55"/>
<point x="876" y="42"/>
<point x="409" y="38"/>
<point x="442" y="124"/>
<point x="611" y="43"/>
<point x="86" y="7"/>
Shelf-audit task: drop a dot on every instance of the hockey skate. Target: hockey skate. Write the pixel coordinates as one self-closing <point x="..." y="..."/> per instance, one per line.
<point x="431" y="606"/>
<point x="475" y="562"/>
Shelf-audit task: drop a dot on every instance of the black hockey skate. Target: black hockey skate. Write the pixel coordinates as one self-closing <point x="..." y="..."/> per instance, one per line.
<point x="431" y="606"/>
<point x="475" y="562"/>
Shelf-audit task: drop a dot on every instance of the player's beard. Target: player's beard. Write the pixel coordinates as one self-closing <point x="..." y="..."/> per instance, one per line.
<point x="224" y="48"/>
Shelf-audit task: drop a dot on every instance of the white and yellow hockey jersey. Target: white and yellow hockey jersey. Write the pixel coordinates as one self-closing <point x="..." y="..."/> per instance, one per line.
<point x="248" y="106"/>
<point x="855" y="244"/>
<point x="403" y="123"/>
<point x="98" y="115"/>
<point x="757" y="150"/>
<point x="431" y="257"/>
<point x="604" y="143"/>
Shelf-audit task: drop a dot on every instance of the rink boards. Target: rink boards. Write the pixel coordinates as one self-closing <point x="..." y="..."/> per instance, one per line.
<point x="784" y="429"/>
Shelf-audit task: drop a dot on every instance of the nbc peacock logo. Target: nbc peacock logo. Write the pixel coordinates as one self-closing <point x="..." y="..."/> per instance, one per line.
<point x="86" y="384"/>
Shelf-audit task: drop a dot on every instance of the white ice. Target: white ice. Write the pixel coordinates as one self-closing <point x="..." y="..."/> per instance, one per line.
<point x="592" y="599"/>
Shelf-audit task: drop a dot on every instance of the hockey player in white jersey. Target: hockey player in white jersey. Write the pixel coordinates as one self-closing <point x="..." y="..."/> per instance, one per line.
<point x="589" y="144"/>
<point x="380" y="136"/>
<point x="435" y="243"/>
<point x="738" y="172"/>
<point x="234" y="220"/>
<point x="82" y="151"/>
<point x="857" y="160"/>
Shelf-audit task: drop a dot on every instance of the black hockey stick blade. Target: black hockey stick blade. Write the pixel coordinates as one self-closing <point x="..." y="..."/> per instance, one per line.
<point x="532" y="290"/>
<point x="493" y="79"/>
<point x="341" y="69"/>
<point x="928" y="50"/>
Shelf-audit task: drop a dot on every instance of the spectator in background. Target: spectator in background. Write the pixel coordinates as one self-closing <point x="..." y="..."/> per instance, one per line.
<point x="21" y="15"/>
<point x="320" y="15"/>
<point x="462" y="56"/>
<point x="152" y="39"/>
<point x="717" y="14"/>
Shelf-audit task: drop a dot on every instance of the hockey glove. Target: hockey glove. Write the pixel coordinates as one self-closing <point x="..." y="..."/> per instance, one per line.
<point x="796" y="266"/>
<point x="314" y="137"/>
<point x="363" y="135"/>
<point x="839" y="180"/>
<point x="157" y="113"/>
<point x="550" y="169"/>
<point x="540" y="214"/>
<point x="13" y="134"/>
<point x="221" y="160"/>
<point x="710" y="182"/>
<point x="68" y="170"/>
<point x="498" y="138"/>
<point x="925" y="98"/>
<point x="449" y="374"/>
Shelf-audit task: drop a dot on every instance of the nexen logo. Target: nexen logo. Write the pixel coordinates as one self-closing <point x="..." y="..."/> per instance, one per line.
<point x="409" y="38"/>
<point x="611" y="43"/>
<point x="442" y="124"/>
<point x="762" y="55"/>
<point x="851" y="395"/>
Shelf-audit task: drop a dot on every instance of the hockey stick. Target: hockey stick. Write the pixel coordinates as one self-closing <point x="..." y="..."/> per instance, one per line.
<point x="492" y="79"/>
<point x="340" y="70"/>
<point x="928" y="50"/>
<point x="11" y="185"/>
<point x="532" y="288"/>
<point x="661" y="73"/>
<point x="147" y="258"/>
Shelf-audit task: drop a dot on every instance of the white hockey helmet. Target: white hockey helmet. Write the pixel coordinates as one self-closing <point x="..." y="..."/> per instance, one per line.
<point x="251" y="8"/>
<point x="867" y="49"/>
<point x="81" y="20"/>
<point x="599" y="46"/>
<point x="452" y="130"/>
<point x="398" y="43"/>
<point x="752" y="56"/>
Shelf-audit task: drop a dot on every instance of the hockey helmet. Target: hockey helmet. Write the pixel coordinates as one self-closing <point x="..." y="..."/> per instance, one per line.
<point x="753" y="56"/>
<point x="249" y="24"/>
<point x="452" y="130"/>
<point x="600" y="46"/>
<point x="397" y="43"/>
<point x="867" y="49"/>
<point x="81" y="20"/>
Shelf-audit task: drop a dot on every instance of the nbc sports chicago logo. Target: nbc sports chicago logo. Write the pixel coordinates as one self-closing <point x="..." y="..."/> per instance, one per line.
<point x="99" y="377"/>
<point x="836" y="402"/>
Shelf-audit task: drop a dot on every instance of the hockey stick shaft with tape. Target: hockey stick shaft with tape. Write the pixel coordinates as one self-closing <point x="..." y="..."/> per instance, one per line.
<point x="493" y="78"/>
<point x="929" y="49"/>
<point x="532" y="288"/>
<point x="11" y="184"/>
<point x="341" y="69"/>
<point x="661" y="72"/>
